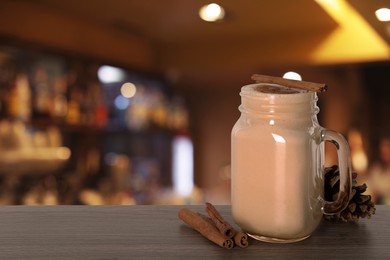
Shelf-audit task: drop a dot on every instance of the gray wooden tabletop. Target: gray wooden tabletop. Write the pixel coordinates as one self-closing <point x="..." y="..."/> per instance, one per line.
<point x="150" y="232"/>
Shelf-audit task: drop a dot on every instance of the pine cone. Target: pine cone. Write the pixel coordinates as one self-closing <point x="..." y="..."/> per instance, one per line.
<point x="360" y="206"/>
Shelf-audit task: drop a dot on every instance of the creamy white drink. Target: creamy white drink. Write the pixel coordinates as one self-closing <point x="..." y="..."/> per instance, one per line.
<point x="276" y="163"/>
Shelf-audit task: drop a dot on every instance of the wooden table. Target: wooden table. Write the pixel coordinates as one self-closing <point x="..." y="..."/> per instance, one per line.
<point x="149" y="232"/>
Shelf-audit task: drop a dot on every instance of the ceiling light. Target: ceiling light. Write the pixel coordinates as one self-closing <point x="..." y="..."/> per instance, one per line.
<point x="383" y="14"/>
<point x="211" y="12"/>
<point x="292" y="75"/>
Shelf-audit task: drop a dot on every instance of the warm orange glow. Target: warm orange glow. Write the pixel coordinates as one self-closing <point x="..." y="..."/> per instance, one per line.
<point x="358" y="155"/>
<point x="128" y="90"/>
<point x="353" y="40"/>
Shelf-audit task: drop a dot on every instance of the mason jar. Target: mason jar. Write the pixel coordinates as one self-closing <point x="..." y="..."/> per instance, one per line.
<point x="277" y="164"/>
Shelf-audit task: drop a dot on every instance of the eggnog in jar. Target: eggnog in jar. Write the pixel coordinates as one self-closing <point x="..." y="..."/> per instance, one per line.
<point x="277" y="163"/>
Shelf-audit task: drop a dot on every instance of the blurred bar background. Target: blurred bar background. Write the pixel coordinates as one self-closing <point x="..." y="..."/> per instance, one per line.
<point x="132" y="102"/>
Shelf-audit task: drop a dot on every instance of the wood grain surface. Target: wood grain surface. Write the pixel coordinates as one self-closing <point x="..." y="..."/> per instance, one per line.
<point x="155" y="232"/>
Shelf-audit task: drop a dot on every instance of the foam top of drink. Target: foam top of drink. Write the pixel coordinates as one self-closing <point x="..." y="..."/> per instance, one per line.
<point x="277" y="93"/>
<point x="275" y="89"/>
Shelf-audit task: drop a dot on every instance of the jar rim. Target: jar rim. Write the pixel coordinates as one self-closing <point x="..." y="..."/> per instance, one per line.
<point x="253" y="90"/>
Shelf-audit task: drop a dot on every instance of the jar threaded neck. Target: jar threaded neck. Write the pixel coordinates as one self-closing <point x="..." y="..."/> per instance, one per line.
<point x="283" y="103"/>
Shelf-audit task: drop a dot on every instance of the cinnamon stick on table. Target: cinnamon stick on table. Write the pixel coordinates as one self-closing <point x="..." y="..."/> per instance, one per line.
<point x="206" y="228"/>
<point x="240" y="238"/>
<point x="223" y="226"/>
<point x="310" y="86"/>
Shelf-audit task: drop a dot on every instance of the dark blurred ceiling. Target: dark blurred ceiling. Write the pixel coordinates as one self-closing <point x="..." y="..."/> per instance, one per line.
<point x="177" y="21"/>
<point x="255" y="34"/>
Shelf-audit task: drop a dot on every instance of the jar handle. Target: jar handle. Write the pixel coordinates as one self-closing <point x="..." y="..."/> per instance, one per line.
<point x="344" y="158"/>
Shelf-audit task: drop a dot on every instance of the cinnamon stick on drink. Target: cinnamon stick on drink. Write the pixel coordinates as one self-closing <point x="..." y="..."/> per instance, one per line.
<point x="203" y="226"/>
<point x="310" y="86"/>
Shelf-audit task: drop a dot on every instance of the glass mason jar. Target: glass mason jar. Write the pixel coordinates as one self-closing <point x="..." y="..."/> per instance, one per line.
<point x="278" y="164"/>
